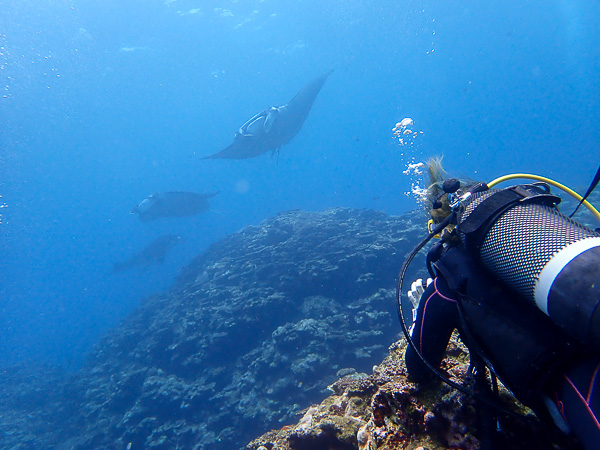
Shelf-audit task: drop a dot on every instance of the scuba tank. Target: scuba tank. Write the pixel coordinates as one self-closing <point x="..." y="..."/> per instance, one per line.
<point x="552" y="261"/>
<point x="519" y="235"/>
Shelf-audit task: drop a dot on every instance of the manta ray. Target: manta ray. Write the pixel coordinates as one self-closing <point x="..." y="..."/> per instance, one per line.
<point x="153" y="253"/>
<point x="273" y="127"/>
<point x="172" y="204"/>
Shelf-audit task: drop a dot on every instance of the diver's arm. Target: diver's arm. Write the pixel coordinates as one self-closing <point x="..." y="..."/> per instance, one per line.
<point x="437" y="317"/>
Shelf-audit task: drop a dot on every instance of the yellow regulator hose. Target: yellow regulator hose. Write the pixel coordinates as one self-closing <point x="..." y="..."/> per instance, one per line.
<point x="562" y="187"/>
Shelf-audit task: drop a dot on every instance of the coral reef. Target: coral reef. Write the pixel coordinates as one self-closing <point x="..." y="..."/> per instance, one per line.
<point x="385" y="411"/>
<point x="253" y="332"/>
<point x="266" y="316"/>
<point x="37" y="406"/>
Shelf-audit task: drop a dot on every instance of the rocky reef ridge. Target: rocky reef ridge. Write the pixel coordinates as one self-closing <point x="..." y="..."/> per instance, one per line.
<point x="386" y="411"/>
<point x="252" y="332"/>
<point x="263" y="324"/>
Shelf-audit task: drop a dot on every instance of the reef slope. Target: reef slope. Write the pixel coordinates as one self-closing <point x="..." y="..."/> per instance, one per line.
<point x="386" y="411"/>
<point x="254" y="330"/>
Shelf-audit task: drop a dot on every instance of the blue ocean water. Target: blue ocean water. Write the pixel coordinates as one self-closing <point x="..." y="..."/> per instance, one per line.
<point x="106" y="102"/>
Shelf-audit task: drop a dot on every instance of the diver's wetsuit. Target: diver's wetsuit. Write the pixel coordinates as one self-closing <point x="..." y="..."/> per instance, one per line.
<point x="437" y="318"/>
<point x="530" y="355"/>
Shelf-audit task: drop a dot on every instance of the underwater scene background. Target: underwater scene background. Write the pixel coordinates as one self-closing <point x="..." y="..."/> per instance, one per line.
<point x="107" y="102"/>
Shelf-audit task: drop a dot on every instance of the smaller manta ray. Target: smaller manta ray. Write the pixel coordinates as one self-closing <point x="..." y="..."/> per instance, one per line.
<point x="172" y="204"/>
<point x="273" y="127"/>
<point x="153" y="253"/>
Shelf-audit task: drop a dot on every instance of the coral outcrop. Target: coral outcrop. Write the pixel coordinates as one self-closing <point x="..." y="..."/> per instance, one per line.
<point x="253" y="332"/>
<point x="386" y="411"/>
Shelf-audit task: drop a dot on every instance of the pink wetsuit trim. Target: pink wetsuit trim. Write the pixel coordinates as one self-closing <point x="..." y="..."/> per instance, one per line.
<point x="587" y="405"/>
<point x="592" y="382"/>
<point x="435" y="292"/>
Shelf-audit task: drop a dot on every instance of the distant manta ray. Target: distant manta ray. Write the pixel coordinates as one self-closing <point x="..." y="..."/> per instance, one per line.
<point x="153" y="253"/>
<point x="172" y="204"/>
<point x="273" y="127"/>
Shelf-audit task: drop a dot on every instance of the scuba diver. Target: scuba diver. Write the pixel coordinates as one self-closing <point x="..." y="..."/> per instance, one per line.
<point x="520" y="282"/>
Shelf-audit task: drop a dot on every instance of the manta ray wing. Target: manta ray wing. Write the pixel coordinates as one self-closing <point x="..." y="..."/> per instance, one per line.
<point x="243" y="147"/>
<point x="278" y="127"/>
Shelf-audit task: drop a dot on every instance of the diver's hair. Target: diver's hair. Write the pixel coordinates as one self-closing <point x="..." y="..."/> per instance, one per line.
<point x="437" y="175"/>
<point x="435" y="191"/>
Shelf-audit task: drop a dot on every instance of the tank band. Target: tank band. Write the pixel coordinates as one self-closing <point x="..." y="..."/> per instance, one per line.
<point x="556" y="264"/>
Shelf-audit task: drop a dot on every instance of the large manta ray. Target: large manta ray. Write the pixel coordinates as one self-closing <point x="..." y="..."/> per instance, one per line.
<point x="153" y="253"/>
<point x="172" y="204"/>
<point x="273" y="127"/>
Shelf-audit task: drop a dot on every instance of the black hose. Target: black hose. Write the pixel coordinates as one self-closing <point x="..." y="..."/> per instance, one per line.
<point x="399" y="289"/>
